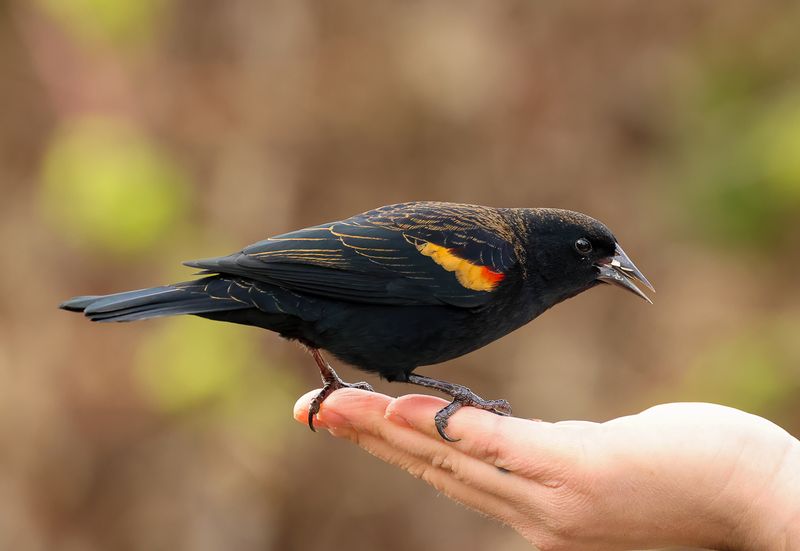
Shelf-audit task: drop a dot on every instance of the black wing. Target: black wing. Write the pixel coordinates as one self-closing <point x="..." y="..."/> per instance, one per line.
<point x="411" y="253"/>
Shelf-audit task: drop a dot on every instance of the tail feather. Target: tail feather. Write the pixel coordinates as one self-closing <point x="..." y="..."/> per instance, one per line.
<point x="78" y="304"/>
<point x="194" y="297"/>
<point x="133" y="299"/>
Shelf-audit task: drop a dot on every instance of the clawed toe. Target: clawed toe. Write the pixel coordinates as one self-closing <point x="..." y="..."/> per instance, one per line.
<point x="498" y="407"/>
<point x="331" y="383"/>
<point x="327" y="390"/>
<point x="502" y="407"/>
<point x="316" y="404"/>
<point x="443" y="416"/>
<point x="462" y="396"/>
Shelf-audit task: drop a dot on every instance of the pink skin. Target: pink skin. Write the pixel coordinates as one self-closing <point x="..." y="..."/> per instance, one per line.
<point x="676" y="474"/>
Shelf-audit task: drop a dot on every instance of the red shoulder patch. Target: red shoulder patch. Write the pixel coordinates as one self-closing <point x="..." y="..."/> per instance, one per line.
<point x="469" y="275"/>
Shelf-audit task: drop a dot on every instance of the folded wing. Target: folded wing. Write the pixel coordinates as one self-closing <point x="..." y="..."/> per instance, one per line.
<point x="407" y="254"/>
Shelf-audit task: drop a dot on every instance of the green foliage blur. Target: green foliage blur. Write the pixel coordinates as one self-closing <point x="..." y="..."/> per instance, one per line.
<point x="757" y="371"/>
<point x="742" y="145"/>
<point x="106" y="186"/>
<point x="114" y="21"/>
<point x="191" y="365"/>
<point x="177" y="375"/>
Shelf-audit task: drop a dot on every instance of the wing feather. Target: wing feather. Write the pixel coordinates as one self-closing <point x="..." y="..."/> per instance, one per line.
<point x="411" y="253"/>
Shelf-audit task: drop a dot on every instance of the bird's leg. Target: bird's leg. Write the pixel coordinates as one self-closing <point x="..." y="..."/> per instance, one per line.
<point x="462" y="396"/>
<point x="330" y="382"/>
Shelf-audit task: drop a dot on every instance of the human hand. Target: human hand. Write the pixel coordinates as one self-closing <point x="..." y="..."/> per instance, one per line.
<point x="676" y="474"/>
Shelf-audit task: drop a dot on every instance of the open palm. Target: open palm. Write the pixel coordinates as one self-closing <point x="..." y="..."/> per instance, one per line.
<point x="676" y="474"/>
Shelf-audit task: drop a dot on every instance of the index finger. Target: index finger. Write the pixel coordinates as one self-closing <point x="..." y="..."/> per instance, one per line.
<point x="534" y="449"/>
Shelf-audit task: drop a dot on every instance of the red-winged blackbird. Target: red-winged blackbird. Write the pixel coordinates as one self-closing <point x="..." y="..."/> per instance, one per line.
<point x="396" y="288"/>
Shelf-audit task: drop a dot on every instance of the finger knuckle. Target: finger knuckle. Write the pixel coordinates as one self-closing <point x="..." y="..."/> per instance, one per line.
<point x="446" y="462"/>
<point x="419" y="470"/>
<point x="440" y="461"/>
<point x="431" y="476"/>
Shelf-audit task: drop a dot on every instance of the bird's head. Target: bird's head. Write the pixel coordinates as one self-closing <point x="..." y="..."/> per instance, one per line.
<point x="571" y="252"/>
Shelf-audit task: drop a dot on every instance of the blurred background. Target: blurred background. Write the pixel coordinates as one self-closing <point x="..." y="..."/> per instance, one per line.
<point x="139" y="133"/>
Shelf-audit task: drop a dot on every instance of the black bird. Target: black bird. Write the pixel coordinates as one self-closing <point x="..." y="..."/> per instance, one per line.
<point x="396" y="288"/>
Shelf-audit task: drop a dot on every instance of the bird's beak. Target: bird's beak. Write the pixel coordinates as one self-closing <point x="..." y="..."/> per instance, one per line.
<point x="620" y="270"/>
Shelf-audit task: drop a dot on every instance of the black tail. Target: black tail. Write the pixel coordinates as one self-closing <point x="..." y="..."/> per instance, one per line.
<point x="210" y="294"/>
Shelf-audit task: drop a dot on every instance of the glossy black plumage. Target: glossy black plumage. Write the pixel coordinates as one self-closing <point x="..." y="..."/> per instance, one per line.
<point x="395" y="288"/>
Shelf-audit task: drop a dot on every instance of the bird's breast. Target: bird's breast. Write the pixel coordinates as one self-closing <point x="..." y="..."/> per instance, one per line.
<point x="393" y="340"/>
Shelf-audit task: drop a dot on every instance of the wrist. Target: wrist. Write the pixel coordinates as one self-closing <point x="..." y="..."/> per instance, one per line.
<point x="772" y="518"/>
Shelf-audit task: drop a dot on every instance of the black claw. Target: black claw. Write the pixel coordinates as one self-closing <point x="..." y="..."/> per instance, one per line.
<point x="443" y="416"/>
<point x="443" y="434"/>
<point x="313" y="407"/>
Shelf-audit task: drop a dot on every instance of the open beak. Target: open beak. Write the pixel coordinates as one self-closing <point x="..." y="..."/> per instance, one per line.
<point x="620" y="270"/>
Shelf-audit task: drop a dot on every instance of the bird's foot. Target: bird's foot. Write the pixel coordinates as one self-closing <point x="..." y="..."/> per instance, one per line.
<point x="331" y="385"/>
<point x="331" y="382"/>
<point x="462" y="396"/>
<point x="465" y="397"/>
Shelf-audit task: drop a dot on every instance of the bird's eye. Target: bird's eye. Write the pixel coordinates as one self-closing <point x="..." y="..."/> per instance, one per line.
<point x="583" y="246"/>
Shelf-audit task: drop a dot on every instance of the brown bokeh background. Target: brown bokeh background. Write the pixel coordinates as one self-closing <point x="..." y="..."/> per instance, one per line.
<point x="139" y="133"/>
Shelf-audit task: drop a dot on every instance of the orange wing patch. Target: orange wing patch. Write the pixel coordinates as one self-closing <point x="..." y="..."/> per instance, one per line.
<point x="471" y="276"/>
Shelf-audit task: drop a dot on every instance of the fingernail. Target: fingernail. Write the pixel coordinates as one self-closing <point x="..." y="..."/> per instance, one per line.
<point x="398" y="419"/>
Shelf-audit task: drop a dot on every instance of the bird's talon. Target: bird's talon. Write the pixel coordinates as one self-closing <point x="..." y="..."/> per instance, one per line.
<point x="331" y="383"/>
<point x="462" y="396"/>
<point x="313" y="409"/>
<point x="444" y="435"/>
<point x="316" y="403"/>
<point x="441" y="424"/>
